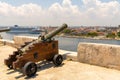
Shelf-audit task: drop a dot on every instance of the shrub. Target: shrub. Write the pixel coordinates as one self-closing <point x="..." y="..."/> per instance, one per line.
<point x="118" y="34"/>
<point x="92" y="34"/>
<point x="111" y="35"/>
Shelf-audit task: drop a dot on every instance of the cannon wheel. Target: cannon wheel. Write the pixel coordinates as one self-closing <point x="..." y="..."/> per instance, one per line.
<point x="57" y="60"/>
<point x="10" y="66"/>
<point x="30" y="69"/>
<point x="8" y="63"/>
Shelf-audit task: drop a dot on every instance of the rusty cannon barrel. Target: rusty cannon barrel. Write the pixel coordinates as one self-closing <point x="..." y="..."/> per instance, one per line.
<point x="44" y="38"/>
<point x="53" y="33"/>
<point x="4" y="30"/>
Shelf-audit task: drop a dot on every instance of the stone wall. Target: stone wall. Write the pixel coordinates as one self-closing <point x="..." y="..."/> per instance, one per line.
<point x="99" y="54"/>
<point x="19" y="40"/>
<point x="7" y="42"/>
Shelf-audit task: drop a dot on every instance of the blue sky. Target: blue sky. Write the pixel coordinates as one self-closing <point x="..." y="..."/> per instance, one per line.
<point x="44" y="3"/>
<point x="56" y="12"/>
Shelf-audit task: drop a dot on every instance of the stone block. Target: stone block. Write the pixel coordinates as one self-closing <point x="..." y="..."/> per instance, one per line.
<point x="7" y="42"/>
<point x="19" y="40"/>
<point x="99" y="54"/>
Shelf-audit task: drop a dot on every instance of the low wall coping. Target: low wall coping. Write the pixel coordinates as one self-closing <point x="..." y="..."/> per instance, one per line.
<point x="106" y="55"/>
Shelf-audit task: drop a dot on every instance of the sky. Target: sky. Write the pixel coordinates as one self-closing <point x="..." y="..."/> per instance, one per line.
<point x="57" y="12"/>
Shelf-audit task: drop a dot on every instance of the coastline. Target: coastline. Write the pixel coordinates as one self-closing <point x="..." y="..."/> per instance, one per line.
<point x="95" y="38"/>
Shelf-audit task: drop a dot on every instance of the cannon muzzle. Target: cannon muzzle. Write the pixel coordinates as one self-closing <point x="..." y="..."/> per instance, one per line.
<point x="53" y="33"/>
<point x="4" y="30"/>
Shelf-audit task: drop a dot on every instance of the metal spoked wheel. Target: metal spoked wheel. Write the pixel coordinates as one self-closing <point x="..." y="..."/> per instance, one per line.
<point x="30" y="69"/>
<point x="57" y="60"/>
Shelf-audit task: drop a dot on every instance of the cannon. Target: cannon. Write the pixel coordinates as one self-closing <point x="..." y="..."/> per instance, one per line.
<point x="43" y="48"/>
<point x="4" y="30"/>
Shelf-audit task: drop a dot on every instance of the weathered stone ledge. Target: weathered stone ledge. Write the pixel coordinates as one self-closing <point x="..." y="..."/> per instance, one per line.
<point x="7" y="42"/>
<point x="99" y="54"/>
<point x="19" y="40"/>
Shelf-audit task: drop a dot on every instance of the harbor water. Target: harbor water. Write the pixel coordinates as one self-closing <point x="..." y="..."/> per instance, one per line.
<point x="64" y="42"/>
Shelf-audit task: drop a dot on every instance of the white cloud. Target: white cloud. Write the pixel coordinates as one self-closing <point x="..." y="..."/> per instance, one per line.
<point x="103" y="13"/>
<point x="92" y="12"/>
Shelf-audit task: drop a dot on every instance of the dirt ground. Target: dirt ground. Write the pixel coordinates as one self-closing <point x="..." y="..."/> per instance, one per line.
<point x="69" y="70"/>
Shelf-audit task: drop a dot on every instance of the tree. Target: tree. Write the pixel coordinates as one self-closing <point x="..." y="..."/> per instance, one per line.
<point x="67" y="31"/>
<point x="118" y="34"/>
<point x="111" y="35"/>
<point x="92" y="34"/>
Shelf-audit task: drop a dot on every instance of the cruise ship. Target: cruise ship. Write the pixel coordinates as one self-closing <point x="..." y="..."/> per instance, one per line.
<point x="18" y="30"/>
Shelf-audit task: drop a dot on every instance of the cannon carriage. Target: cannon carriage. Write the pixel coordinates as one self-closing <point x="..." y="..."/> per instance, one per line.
<point x="43" y="48"/>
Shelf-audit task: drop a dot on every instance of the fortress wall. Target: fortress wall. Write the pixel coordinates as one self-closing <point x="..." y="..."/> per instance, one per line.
<point x="7" y="42"/>
<point x="20" y="40"/>
<point x="99" y="54"/>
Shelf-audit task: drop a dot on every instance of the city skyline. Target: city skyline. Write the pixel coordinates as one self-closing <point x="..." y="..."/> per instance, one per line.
<point x="56" y="12"/>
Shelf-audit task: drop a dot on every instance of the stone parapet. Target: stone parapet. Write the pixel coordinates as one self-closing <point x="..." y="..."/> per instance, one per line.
<point x="7" y="42"/>
<point x="99" y="54"/>
<point x="19" y="40"/>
